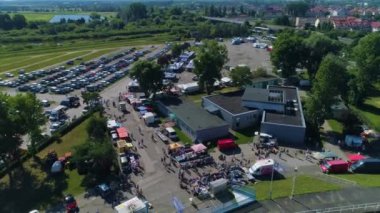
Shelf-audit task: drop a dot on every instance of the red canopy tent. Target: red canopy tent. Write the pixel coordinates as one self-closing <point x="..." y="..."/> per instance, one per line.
<point x="122" y="132"/>
<point x="224" y="144"/>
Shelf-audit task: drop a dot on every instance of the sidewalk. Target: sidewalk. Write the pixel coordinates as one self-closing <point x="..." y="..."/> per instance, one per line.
<point x="345" y="197"/>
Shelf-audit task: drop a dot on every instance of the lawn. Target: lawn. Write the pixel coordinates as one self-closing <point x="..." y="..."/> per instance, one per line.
<point x="336" y="126"/>
<point x="33" y="188"/>
<point x="46" y="16"/>
<point x="367" y="180"/>
<point x="282" y="188"/>
<point x="244" y="136"/>
<point x="182" y="136"/>
<point x="369" y="112"/>
<point x="48" y="54"/>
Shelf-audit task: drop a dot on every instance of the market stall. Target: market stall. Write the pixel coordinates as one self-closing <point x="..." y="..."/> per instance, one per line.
<point x="197" y="148"/>
<point x="122" y="132"/>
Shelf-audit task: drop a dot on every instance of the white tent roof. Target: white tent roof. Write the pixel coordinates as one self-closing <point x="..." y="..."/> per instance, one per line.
<point x="133" y="205"/>
<point x="112" y="124"/>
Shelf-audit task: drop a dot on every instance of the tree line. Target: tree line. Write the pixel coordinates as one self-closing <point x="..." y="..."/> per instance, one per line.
<point x="325" y="61"/>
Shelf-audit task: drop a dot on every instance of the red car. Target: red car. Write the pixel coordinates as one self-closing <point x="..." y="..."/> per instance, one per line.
<point x="334" y="166"/>
<point x="71" y="204"/>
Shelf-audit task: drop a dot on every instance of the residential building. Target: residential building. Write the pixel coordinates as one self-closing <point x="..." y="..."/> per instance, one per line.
<point x="195" y="122"/>
<point x="375" y="25"/>
<point x="351" y="23"/>
<point x="263" y="82"/>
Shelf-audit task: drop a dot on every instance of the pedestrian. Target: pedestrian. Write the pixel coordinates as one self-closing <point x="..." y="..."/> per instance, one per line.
<point x="279" y="155"/>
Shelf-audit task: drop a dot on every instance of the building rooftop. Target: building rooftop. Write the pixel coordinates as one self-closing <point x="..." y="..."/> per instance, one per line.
<point x="229" y="101"/>
<point x="255" y="94"/>
<point x="293" y="108"/>
<point x="264" y="79"/>
<point x="195" y="117"/>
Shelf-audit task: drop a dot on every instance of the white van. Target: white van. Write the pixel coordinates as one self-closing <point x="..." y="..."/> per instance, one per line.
<point x="262" y="167"/>
<point x="170" y="132"/>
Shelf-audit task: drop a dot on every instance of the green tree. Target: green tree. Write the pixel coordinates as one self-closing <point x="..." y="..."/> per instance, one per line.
<point x="97" y="128"/>
<point x="241" y="76"/>
<point x="90" y="98"/>
<point x="367" y="58"/>
<point x="134" y="12"/>
<point x="297" y="9"/>
<point x="208" y="64"/>
<point x="176" y="50"/>
<point x="330" y="82"/>
<point x="287" y="53"/>
<point x="6" y="22"/>
<point x="318" y="46"/>
<point x="176" y="11"/>
<point x="29" y="114"/>
<point x="282" y="20"/>
<point x="149" y="75"/>
<point x="260" y="72"/>
<point x="19" y="21"/>
<point x="95" y="159"/>
<point x="95" y="16"/>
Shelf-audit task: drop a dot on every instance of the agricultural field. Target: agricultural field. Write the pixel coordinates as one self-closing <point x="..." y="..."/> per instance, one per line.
<point x="46" y="16"/>
<point x="12" y="58"/>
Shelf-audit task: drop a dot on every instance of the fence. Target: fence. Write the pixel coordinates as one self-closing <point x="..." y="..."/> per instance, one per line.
<point x="351" y="208"/>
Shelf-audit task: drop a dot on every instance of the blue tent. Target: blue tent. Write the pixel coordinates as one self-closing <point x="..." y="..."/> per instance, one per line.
<point x="353" y="141"/>
<point x="141" y="108"/>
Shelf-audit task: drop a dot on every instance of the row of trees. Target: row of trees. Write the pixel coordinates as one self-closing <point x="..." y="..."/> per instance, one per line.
<point x="224" y="11"/>
<point x="208" y="65"/>
<point x="7" y="22"/>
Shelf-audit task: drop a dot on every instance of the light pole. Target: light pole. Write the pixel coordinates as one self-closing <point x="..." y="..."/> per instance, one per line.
<point x="294" y="182"/>
<point x="271" y="183"/>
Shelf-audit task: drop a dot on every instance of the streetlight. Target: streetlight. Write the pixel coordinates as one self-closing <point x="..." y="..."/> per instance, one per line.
<point x="294" y="183"/>
<point x="271" y="182"/>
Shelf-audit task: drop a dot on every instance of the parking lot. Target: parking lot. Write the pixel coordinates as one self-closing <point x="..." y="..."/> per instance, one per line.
<point x="245" y="53"/>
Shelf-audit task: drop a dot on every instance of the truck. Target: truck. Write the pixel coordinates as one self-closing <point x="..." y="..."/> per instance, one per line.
<point x="149" y="118"/>
<point x="189" y="87"/>
<point x="262" y="167"/>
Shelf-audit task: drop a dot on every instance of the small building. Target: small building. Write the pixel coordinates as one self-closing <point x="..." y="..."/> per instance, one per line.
<point x="375" y="25"/>
<point x="228" y="106"/>
<point x="195" y="122"/>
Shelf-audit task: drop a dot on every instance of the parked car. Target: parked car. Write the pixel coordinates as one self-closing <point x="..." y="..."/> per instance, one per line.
<point x="334" y="166"/>
<point x="71" y="204"/>
<point x="45" y="103"/>
<point x="368" y="165"/>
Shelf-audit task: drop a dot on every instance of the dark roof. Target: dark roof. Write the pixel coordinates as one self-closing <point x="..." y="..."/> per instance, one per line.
<point x="294" y="117"/>
<point x="255" y="94"/>
<point x="229" y="101"/>
<point x="195" y="117"/>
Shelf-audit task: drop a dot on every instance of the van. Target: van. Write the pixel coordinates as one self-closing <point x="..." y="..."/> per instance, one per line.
<point x="334" y="166"/>
<point x="170" y="132"/>
<point x="369" y="165"/>
<point x="262" y="167"/>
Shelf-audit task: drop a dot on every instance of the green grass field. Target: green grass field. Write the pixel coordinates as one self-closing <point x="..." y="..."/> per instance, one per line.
<point x="182" y="136"/>
<point x="46" y="16"/>
<point x="336" y="126"/>
<point x="282" y="188"/>
<point x="244" y="136"/>
<point x="369" y="112"/>
<point x="45" y="55"/>
<point x="366" y="180"/>
<point x="33" y="188"/>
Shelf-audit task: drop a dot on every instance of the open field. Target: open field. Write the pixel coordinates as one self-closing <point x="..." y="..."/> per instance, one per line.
<point x="33" y="188"/>
<point x="46" y="16"/>
<point x="336" y="126"/>
<point x="282" y="188"/>
<point x="369" y="112"/>
<point x="367" y="180"/>
<point x="46" y="55"/>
